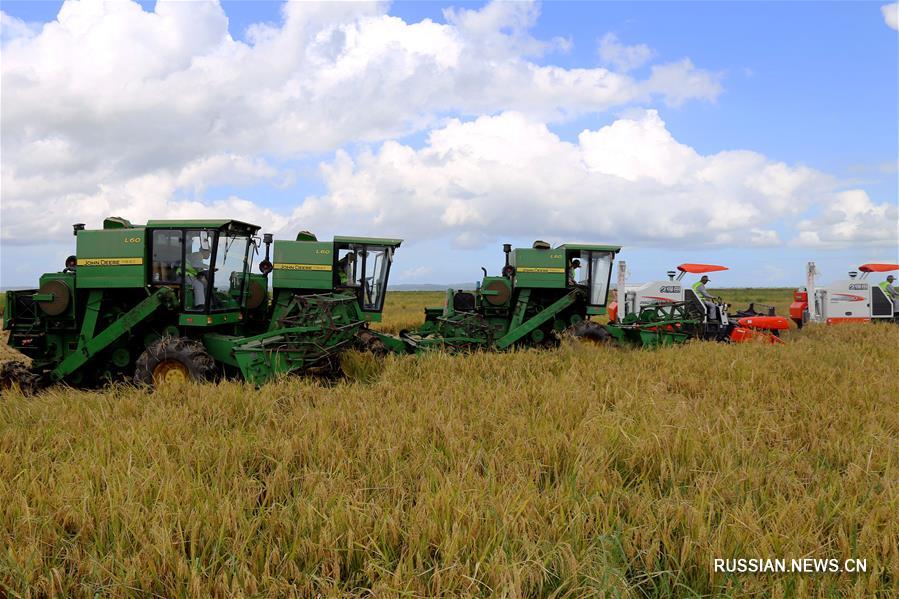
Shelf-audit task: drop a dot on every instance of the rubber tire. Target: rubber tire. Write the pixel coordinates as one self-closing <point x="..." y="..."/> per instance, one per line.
<point x="192" y="354"/>
<point x="587" y="330"/>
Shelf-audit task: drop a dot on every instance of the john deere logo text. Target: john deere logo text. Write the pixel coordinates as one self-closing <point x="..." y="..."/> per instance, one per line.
<point x="540" y="269"/>
<point x="109" y="261"/>
<point x="302" y="267"/>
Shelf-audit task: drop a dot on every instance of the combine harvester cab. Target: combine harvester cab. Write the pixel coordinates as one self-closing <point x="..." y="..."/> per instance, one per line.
<point x="541" y="291"/>
<point x="856" y="299"/>
<point x="669" y="311"/>
<point x="175" y="300"/>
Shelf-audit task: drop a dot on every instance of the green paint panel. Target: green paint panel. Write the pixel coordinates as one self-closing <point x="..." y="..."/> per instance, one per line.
<point x="221" y="347"/>
<point x="539" y="268"/>
<point x="303" y="265"/>
<point x="111" y="259"/>
<point x="209" y="320"/>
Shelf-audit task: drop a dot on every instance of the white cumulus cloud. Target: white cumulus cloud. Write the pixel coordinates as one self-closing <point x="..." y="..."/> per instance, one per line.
<point x="891" y="15"/>
<point x="112" y="109"/>
<point x="851" y="217"/>
<point x="110" y="95"/>
<point x="630" y="181"/>
<point x="624" y="58"/>
<point x="12" y="28"/>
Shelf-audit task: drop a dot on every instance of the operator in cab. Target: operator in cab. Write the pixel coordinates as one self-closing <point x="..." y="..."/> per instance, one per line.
<point x="892" y="293"/>
<point x="705" y="297"/>
<point x="572" y="271"/>
<point x="346" y="268"/>
<point x="197" y="270"/>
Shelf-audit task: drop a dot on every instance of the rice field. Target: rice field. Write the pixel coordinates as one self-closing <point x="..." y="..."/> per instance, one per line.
<point x="576" y="472"/>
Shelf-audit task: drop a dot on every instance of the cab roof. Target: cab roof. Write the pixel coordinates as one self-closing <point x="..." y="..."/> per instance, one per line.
<point x="875" y="267"/>
<point x="697" y="269"/>
<point x="369" y="240"/>
<point x="589" y="246"/>
<point x="202" y="224"/>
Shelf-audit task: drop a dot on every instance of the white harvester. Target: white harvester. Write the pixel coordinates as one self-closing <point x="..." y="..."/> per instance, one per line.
<point x="632" y="298"/>
<point x="856" y="299"/>
<point x="717" y="321"/>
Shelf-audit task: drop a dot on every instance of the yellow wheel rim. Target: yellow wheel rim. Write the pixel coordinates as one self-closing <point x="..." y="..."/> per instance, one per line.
<point x="171" y="372"/>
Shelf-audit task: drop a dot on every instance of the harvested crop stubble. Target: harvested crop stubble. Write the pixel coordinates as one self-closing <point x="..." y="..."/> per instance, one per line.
<point x="572" y="472"/>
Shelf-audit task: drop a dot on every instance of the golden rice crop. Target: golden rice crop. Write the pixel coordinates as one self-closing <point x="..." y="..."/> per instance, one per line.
<point x="580" y="471"/>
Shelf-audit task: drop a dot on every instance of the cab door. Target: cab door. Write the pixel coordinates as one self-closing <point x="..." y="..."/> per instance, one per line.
<point x="591" y="269"/>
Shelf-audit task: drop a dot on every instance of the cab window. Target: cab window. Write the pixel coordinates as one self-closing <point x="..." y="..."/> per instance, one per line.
<point x="197" y="255"/>
<point x="376" y="264"/>
<point x="166" y="259"/>
<point x="229" y="267"/>
<point x="598" y="267"/>
<point x="346" y="268"/>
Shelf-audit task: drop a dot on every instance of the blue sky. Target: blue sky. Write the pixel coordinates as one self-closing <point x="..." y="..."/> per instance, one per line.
<point x="805" y="84"/>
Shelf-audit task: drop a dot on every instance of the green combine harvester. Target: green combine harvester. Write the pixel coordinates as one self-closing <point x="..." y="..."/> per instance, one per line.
<point x="541" y="293"/>
<point x="174" y="300"/>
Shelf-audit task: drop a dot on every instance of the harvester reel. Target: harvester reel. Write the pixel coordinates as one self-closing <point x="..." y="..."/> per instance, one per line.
<point x="17" y="375"/>
<point x="62" y="295"/>
<point x="173" y="360"/>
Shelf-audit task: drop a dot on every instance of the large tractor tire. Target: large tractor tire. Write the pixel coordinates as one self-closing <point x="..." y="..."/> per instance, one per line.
<point x="173" y="360"/>
<point x="17" y="375"/>
<point x="593" y="332"/>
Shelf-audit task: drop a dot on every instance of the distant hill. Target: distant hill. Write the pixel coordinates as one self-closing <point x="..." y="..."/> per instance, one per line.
<point x="430" y="286"/>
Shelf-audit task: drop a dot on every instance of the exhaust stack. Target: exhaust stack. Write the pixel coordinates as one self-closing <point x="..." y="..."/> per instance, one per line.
<point x="621" y="292"/>
<point x="266" y="266"/>
<point x="810" y="291"/>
